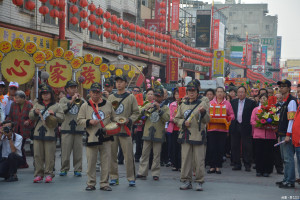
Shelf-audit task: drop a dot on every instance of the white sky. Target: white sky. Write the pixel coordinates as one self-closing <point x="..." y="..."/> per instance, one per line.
<point x="288" y="12"/>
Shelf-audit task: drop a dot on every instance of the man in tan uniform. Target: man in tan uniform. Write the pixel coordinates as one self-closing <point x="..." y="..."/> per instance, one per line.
<point x="192" y="117"/>
<point x="128" y="108"/>
<point x="154" y="134"/>
<point x="97" y="140"/>
<point x="71" y="132"/>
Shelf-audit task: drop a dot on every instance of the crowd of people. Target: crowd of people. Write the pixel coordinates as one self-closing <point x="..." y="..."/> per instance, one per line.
<point x="186" y="134"/>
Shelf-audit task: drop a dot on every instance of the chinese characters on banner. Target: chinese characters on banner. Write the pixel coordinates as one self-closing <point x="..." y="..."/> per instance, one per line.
<point x="91" y="74"/>
<point x="173" y="66"/>
<point x="249" y="56"/>
<point x="216" y="34"/>
<point x="218" y="64"/>
<point x="175" y="14"/>
<point x="18" y="65"/>
<point x="203" y="28"/>
<point x="60" y="72"/>
<point x="43" y="43"/>
<point x="153" y="25"/>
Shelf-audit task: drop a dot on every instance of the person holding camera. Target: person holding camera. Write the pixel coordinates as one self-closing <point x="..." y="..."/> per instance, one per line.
<point x="11" y="152"/>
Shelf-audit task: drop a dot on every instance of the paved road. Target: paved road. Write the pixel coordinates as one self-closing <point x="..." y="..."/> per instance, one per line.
<point x="230" y="184"/>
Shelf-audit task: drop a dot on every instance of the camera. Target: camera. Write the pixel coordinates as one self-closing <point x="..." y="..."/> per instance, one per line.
<point x="6" y="129"/>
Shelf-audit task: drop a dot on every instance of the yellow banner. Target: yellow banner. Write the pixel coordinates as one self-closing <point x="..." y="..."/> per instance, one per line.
<point x="18" y="66"/>
<point x="218" y="66"/>
<point x="91" y="74"/>
<point x="60" y="72"/>
<point x="42" y="42"/>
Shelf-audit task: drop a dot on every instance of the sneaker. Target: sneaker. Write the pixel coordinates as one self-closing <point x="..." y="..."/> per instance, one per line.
<point x="38" y="179"/>
<point x="199" y="187"/>
<point x="77" y="174"/>
<point x="114" y="182"/>
<point x="141" y="177"/>
<point x="12" y="178"/>
<point x="131" y="183"/>
<point x="48" y="179"/>
<point x="63" y="173"/>
<point x="287" y="185"/>
<point x="186" y="186"/>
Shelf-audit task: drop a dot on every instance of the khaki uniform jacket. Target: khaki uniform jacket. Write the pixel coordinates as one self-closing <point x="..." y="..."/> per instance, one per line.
<point x="128" y="109"/>
<point x="71" y="111"/>
<point x="41" y="131"/>
<point x="95" y="134"/>
<point x="192" y="134"/>
<point x="154" y="129"/>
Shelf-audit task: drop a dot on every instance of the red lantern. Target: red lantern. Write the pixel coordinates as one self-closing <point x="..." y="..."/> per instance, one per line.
<point x="54" y="3"/>
<point x="114" y="37"/>
<point x="83" y="3"/>
<point x="107" y="25"/>
<point x="163" y="11"/>
<point x="18" y="2"/>
<point x="242" y="59"/>
<point x="44" y="10"/>
<point x="43" y="1"/>
<point x="62" y="15"/>
<point x="126" y="41"/>
<point x="92" y="18"/>
<point x="132" y="26"/>
<point x="107" y="34"/>
<point x="162" y="4"/>
<point x="132" y="43"/>
<point x="120" y="39"/>
<point x="125" y="24"/>
<point x="137" y="28"/>
<point x="99" y="11"/>
<point x="92" y="28"/>
<point x="62" y="4"/>
<point x="137" y="44"/>
<point x="143" y="30"/>
<point x="74" y="20"/>
<point x="114" y="18"/>
<point x="99" y="31"/>
<point x="83" y="24"/>
<point x="132" y="35"/>
<point x="99" y="21"/>
<point x="73" y="9"/>
<point x="92" y="7"/>
<point x="107" y="15"/>
<point x="146" y="32"/>
<point x="162" y="18"/>
<point x="125" y="33"/>
<point x="114" y="28"/>
<point x="151" y="33"/>
<point x="83" y="14"/>
<point x="120" y="21"/>
<point x="54" y="13"/>
<point x="119" y="30"/>
<point x="30" y="5"/>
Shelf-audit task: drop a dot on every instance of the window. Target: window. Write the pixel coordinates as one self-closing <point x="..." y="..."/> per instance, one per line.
<point x="48" y="19"/>
<point x="145" y="3"/>
<point x="70" y="26"/>
<point x="267" y="27"/>
<point x="235" y="28"/>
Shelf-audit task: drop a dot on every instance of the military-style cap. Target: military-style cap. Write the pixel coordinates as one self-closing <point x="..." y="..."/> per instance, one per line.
<point x="71" y="83"/>
<point x="159" y="92"/>
<point x="121" y="78"/>
<point x="45" y="88"/>
<point x="192" y="86"/>
<point x="108" y="82"/>
<point x="96" y="87"/>
<point x="286" y="82"/>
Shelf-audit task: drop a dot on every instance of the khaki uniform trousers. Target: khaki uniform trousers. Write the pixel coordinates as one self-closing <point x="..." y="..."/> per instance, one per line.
<point x="193" y="157"/>
<point x="91" y="155"/>
<point x="144" y="163"/>
<point x="71" y="142"/>
<point x="127" y="147"/>
<point x="44" y="157"/>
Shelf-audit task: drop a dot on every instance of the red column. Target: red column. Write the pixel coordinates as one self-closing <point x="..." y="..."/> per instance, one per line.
<point x="62" y="26"/>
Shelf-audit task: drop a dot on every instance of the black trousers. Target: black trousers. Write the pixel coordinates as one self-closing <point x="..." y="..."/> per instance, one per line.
<point x="217" y="148"/>
<point x="9" y="165"/>
<point x="239" y="134"/>
<point x="208" y="149"/>
<point x="138" y="145"/>
<point x="164" y="153"/>
<point x="264" y="160"/>
<point x="175" y="152"/>
<point x="23" y="150"/>
<point x="228" y="145"/>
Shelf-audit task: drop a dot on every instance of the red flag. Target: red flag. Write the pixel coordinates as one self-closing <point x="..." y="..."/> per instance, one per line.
<point x="182" y="92"/>
<point x="140" y="80"/>
<point x="139" y="99"/>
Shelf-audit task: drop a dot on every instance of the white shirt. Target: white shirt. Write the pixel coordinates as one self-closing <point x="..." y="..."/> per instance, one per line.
<point x="6" y="104"/>
<point x="240" y="110"/>
<point x="6" y="147"/>
<point x="292" y="107"/>
<point x="2" y="113"/>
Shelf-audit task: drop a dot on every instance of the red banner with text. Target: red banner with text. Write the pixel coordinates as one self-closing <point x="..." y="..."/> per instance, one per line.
<point x="173" y="66"/>
<point x="175" y="14"/>
<point x="216" y="34"/>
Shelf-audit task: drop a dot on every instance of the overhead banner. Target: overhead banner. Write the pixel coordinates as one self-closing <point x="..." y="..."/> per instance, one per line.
<point x="264" y="53"/>
<point x="278" y="50"/>
<point x="203" y="28"/>
<point x="249" y="54"/>
<point x="173" y="66"/>
<point x="153" y="25"/>
<point x="175" y="15"/>
<point x="216" y="34"/>
<point x="218" y="64"/>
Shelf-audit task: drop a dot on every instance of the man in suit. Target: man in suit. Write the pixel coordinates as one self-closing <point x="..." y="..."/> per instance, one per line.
<point x="242" y="130"/>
